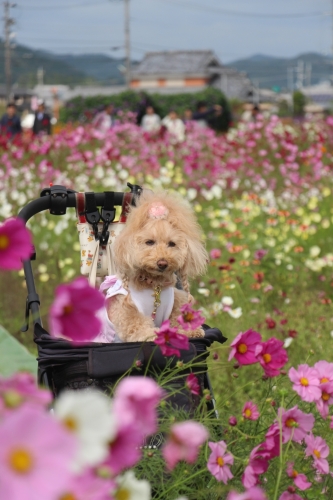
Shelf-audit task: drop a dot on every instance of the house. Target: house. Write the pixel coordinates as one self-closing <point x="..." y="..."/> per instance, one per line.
<point x="188" y="71"/>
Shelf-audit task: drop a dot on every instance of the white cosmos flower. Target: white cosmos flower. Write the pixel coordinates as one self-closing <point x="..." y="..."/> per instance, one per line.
<point x="287" y="342"/>
<point x="130" y="488"/>
<point x="227" y="301"/>
<point x="314" y="251"/>
<point x="192" y="194"/>
<point x="88" y="415"/>
<point x="235" y="313"/>
<point x="204" y="291"/>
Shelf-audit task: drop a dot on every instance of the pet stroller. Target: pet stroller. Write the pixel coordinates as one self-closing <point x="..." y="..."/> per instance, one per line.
<point x="62" y="365"/>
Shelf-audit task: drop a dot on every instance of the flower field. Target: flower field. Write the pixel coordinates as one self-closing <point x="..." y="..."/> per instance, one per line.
<point x="263" y="194"/>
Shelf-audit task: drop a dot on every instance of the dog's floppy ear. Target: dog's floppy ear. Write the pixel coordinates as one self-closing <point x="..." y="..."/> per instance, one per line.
<point x="196" y="259"/>
<point x="122" y="250"/>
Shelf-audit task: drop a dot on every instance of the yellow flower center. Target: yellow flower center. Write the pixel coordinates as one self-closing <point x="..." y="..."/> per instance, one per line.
<point x="304" y="381"/>
<point x="294" y="473"/>
<point x="324" y="380"/>
<point x="123" y="494"/>
<point x="12" y="399"/>
<point x="68" y="496"/>
<point x="290" y="422"/>
<point x="220" y="461"/>
<point x="68" y="309"/>
<point x="188" y="316"/>
<point x="316" y="453"/>
<point x="247" y="413"/>
<point x="267" y="357"/>
<point x="4" y="241"/>
<point x="242" y="348"/>
<point x="70" y="423"/>
<point x="325" y="396"/>
<point x="21" y="460"/>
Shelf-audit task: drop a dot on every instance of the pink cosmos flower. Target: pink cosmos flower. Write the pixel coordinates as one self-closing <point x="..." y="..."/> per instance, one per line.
<point x="295" y="424"/>
<point x="305" y="382"/>
<point x="244" y="346"/>
<point x="219" y="460"/>
<point x="326" y="399"/>
<point x="73" y="312"/>
<point x="300" y="480"/>
<point x="259" y="254"/>
<point x="250" y="411"/>
<point x="136" y="400"/>
<point x="15" y="244"/>
<point x="35" y="449"/>
<point x="193" y="384"/>
<point x="271" y="356"/>
<point x="324" y="371"/>
<point x="287" y="495"/>
<point x="88" y="486"/>
<point x="21" y="388"/>
<point x="232" y="421"/>
<point x="254" y="493"/>
<point x="170" y="341"/>
<point x="124" y="449"/>
<point x="183" y="443"/>
<point x="317" y="447"/>
<point x="215" y="253"/>
<point x="190" y="319"/>
<point x="158" y="211"/>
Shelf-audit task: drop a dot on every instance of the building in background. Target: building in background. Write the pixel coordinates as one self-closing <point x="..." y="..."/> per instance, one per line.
<point x="188" y="71"/>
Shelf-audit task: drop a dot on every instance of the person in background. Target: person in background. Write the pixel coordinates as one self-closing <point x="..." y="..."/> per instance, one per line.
<point x="145" y="101"/>
<point x="42" y="122"/>
<point x="188" y="115"/>
<point x="10" y="124"/>
<point x="175" y="126"/>
<point x="151" y="122"/>
<point x="204" y="114"/>
<point x="104" y="120"/>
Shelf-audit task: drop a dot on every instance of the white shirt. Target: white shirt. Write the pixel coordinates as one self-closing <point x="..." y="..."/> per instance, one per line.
<point x="143" y="300"/>
<point x="175" y="127"/>
<point x="151" y="123"/>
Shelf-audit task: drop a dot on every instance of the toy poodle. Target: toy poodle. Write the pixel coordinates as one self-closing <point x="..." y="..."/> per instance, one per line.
<point x="161" y="239"/>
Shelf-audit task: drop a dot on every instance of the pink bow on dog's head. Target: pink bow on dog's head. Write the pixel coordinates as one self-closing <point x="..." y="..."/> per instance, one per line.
<point x="158" y="211"/>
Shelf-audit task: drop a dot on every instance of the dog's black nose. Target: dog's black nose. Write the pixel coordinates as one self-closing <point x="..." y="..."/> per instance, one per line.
<point x="162" y="264"/>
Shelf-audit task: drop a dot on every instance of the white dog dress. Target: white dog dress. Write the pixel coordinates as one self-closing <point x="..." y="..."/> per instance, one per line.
<point x="143" y="300"/>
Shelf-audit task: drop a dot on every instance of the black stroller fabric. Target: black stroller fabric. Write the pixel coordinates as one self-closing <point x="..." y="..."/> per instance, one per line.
<point x="98" y="365"/>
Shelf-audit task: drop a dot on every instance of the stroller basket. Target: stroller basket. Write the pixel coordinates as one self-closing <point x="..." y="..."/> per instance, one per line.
<point x="63" y="365"/>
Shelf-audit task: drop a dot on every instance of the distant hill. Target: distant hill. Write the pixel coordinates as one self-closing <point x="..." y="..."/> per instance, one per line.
<point x="65" y="69"/>
<point x="273" y="71"/>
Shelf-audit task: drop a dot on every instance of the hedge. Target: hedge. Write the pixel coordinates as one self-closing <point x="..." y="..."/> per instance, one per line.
<point x="82" y="109"/>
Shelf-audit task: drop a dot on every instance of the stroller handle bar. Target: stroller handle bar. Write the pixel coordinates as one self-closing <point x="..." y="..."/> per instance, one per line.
<point x="57" y="199"/>
<point x="68" y="200"/>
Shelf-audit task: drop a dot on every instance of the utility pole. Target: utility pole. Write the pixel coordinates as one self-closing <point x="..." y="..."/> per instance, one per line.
<point x="127" y="43"/>
<point x="8" y="22"/>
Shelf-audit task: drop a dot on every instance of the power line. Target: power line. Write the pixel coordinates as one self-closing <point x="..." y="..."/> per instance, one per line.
<point x="63" y="7"/>
<point x="227" y="12"/>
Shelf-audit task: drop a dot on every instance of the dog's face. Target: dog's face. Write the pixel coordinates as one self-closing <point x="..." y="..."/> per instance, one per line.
<point x="159" y="248"/>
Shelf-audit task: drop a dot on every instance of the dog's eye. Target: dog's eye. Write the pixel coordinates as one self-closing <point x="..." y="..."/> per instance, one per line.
<point x="171" y="244"/>
<point x="150" y="242"/>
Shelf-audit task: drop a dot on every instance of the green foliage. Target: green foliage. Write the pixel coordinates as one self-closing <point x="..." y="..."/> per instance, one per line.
<point x="299" y="102"/>
<point x="284" y="109"/>
<point x="13" y="356"/>
<point x="81" y="109"/>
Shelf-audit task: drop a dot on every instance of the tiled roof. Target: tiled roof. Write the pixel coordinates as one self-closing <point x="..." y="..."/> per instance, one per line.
<point x="186" y="62"/>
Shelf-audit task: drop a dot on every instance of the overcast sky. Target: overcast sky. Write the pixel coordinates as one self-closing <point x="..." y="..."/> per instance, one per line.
<point x="233" y="29"/>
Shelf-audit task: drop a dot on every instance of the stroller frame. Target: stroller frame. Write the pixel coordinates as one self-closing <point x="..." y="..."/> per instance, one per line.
<point x="57" y="199"/>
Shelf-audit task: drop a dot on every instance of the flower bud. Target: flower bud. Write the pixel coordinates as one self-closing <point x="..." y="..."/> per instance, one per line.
<point x="180" y="364"/>
<point x="235" y="375"/>
<point x="138" y="363"/>
<point x="233" y="421"/>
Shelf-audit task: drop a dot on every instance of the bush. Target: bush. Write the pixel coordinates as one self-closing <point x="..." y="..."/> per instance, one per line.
<point x="82" y="109"/>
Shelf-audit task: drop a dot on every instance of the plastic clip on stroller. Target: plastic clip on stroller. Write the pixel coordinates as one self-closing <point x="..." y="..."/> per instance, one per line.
<point x="58" y="199"/>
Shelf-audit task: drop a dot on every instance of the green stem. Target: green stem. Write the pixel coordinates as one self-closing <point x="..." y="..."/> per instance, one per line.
<point x="179" y="483"/>
<point x="281" y="455"/>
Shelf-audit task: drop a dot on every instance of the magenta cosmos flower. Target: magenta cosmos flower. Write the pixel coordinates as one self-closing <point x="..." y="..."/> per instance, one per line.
<point x="300" y="480"/>
<point x="183" y="443"/>
<point x="324" y="371"/>
<point x="136" y="400"/>
<point x="271" y="356"/>
<point x="21" y="388"/>
<point x="192" y="384"/>
<point x="190" y="319"/>
<point x="215" y="253"/>
<point x="170" y="341"/>
<point x="317" y="447"/>
<point x="73" y="312"/>
<point x="326" y="399"/>
<point x="15" y="244"/>
<point x="288" y="495"/>
<point x="305" y="382"/>
<point x="295" y="424"/>
<point x="250" y="411"/>
<point x="36" y="455"/>
<point x="254" y="493"/>
<point x="125" y="447"/>
<point x="244" y="346"/>
<point x="219" y="460"/>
